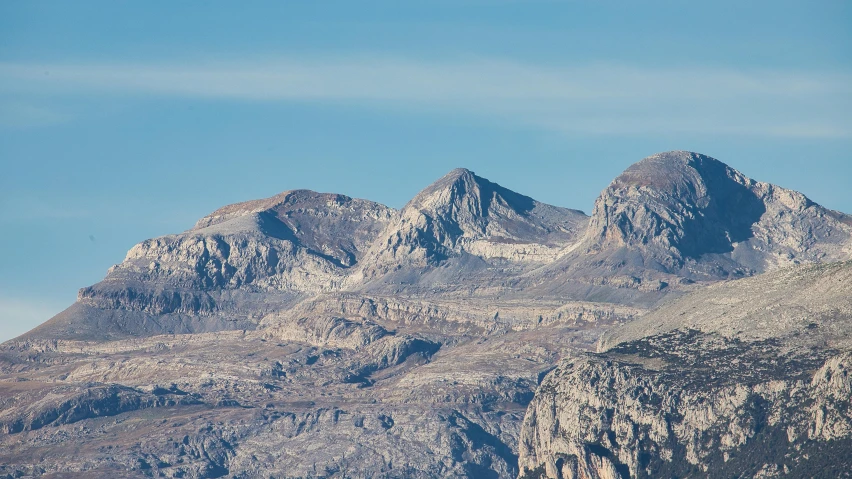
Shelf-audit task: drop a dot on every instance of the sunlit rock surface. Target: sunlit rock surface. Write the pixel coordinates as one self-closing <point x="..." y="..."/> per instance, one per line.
<point x="317" y="335"/>
<point x="743" y="379"/>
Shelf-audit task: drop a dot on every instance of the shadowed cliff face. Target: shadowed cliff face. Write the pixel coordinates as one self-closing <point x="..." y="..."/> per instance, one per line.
<point x="317" y="335"/>
<point x="701" y="205"/>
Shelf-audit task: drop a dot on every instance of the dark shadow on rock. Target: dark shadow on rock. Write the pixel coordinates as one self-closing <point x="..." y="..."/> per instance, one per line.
<point x="479" y="438"/>
<point x="271" y="226"/>
<point x="599" y="450"/>
<point x="727" y="217"/>
<point x="517" y="201"/>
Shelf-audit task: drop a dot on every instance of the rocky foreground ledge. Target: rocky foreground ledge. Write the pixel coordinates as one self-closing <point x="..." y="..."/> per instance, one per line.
<point x="728" y="383"/>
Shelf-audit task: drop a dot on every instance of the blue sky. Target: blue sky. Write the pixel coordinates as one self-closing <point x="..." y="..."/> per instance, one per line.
<point x="121" y="121"/>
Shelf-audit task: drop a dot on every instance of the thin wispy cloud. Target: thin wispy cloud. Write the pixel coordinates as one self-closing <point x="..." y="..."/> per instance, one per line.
<point x="595" y="99"/>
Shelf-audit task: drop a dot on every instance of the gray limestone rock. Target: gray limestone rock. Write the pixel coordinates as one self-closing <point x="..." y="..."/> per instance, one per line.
<point x="692" y="215"/>
<point x="316" y="335"/>
<point x="744" y="379"/>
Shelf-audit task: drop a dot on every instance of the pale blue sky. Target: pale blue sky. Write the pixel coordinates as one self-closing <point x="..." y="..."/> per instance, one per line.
<point x="121" y="121"/>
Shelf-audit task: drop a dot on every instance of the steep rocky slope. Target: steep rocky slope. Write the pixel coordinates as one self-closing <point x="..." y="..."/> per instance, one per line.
<point x="466" y="225"/>
<point x="692" y="214"/>
<point x="679" y="216"/>
<point x="233" y="267"/>
<point x="744" y="379"/>
<point x="316" y="335"/>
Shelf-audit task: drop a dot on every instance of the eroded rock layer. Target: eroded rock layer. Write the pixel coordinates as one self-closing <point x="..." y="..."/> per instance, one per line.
<point x="317" y="335"/>
<point x="720" y="385"/>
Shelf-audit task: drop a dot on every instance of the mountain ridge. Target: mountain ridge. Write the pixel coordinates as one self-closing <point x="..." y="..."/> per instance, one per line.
<point x="683" y="215"/>
<point x="640" y="244"/>
<point x="306" y="331"/>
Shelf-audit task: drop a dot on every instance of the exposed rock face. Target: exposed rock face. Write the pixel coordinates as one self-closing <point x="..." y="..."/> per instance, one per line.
<point x="719" y="385"/>
<point x="689" y="214"/>
<point x="255" y="405"/>
<point x="72" y="404"/>
<point x="775" y="305"/>
<point x="298" y="240"/>
<point x="316" y="335"/>
<point x="233" y="267"/>
<point x="466" y="221"/>
<point x="680" y="202"/>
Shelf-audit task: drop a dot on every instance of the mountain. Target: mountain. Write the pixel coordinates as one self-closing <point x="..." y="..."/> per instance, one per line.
<point x="669" y="220"/>
<point x="749" y="378"/>
<point x="235" y="265"/>
<point x="316" y="335"/>
<point x="465" y="223"/>
<point x="679" y="217"/>
<point x="691" y="214"/>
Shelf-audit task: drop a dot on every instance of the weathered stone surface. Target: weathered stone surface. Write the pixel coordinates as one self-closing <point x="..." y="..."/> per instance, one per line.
<point x="236" y="265"/>
<point x="722" y="382"/>
<point x="316" y="335"/>
<point x="465" y="224"/>
<point x="682" y="216"/>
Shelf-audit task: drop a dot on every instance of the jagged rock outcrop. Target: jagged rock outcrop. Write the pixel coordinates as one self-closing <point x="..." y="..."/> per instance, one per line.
<point x="299" y="241"/>
<point x="328" y="331"/>
<point x="723" y="382"/>
<point x="68" y="405"/>
<point x="333" y="226"/>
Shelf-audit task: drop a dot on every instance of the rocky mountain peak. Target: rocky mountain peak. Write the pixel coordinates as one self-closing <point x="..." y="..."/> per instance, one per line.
<point x="331" y="224"/>
<point x="685" y="205"/>
<point x="678" y="173"/>
<point x="454" y="176"/>
<point x="465" y="213"/>
<point x="289" y="203"/>
<point x="317" y="335"/>
<point x="468" y="200"/>
<point x="691" y="215"/>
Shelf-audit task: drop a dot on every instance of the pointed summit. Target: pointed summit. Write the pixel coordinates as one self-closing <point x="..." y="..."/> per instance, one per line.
<point x="468" y="204"/>
<point x="463" y="185"/>
<point x="463" y="206"/>
<point x="458" y="186"/>
<point x="455" y="175"/>
<point x="462" y="213"/>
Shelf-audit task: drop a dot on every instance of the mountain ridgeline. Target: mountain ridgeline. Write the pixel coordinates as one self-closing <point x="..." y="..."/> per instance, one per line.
<point x="670" y="219"/>
<point x="317" y="335"/>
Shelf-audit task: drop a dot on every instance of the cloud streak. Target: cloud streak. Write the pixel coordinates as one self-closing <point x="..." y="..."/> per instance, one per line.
<point x="590" y="99"/>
